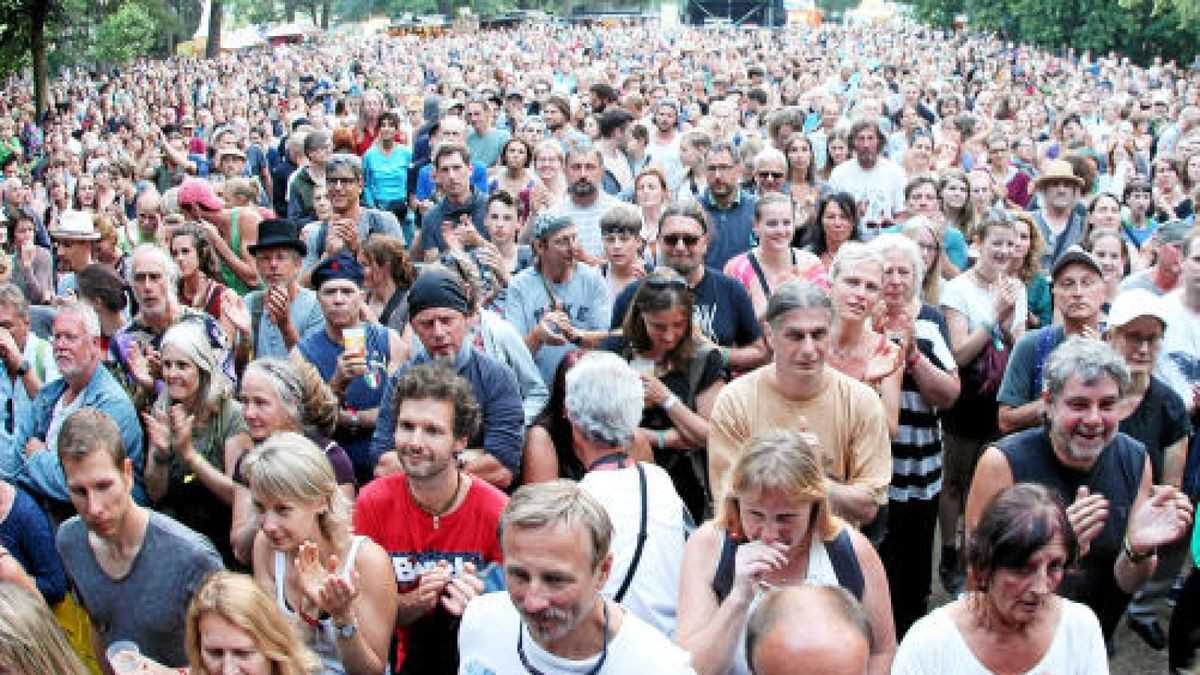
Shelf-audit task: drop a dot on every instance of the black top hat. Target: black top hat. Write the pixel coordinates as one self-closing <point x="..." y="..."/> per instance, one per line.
<point x="278" y="233"/>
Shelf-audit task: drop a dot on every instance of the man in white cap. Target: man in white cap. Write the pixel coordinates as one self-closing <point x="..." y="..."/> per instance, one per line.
<point x="73" y="238"/>
<point x="1158" y="419"/>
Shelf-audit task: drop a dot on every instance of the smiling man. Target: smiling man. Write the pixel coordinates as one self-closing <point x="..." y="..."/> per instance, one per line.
<point x="436" y="521"/>
<point x="134" y="569"/>
<point x="1102" y="475"/>
<point x="553" y="619"/>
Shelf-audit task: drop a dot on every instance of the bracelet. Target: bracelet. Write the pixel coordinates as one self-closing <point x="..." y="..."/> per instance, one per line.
<point x="306" y="618"/>
<point x="662" y="434"/>
<point x="669" y="403"/>
<point x="1135" y="558"/>
<point x="724" y="352"/>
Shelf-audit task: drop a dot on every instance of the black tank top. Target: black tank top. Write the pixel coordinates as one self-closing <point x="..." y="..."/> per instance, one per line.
<point x="1117" y="475"/>
<point x="841" y="554"/>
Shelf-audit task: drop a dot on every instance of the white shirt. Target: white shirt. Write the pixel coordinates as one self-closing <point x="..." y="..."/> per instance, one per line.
<point x="491" y="626"/>
<point x="1179" y="359"/>
<point x="654" y="591"/>
<point x="935" y="645"/>
<point x="881" y="187"/>
<point x="587" y="220"/>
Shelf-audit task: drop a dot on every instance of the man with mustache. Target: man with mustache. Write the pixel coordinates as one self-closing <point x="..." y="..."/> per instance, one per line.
<point x="585" y="202"/>
<point x="555" y="541"/>
<point x="1119" y="517"/>
<point x="1078" y="289"/>
<point x="435" y="519"/>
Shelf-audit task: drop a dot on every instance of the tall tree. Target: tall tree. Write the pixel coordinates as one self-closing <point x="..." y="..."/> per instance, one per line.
<point x="25" y="39"/>
<point x="215" y="13"/>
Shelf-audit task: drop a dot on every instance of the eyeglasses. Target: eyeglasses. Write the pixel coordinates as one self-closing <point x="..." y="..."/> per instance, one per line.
<point x="688" y="240"/>
<point x="340" y="180"/>
<point x="771" y="175"/>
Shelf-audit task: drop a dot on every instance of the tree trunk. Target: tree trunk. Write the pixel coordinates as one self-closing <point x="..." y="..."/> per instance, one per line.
<point x="37" y="48"/>
<point x="289" y="10"/>
<point x="213" y="48"/>
<point x="325" y="11"/>
<point x="445" y="8"/>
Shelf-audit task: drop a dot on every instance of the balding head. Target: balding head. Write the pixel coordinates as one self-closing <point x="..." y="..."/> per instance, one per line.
<point x="808" y="630"/>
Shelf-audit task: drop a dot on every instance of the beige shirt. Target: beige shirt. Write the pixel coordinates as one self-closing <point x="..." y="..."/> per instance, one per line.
<point x="846" y="415"/>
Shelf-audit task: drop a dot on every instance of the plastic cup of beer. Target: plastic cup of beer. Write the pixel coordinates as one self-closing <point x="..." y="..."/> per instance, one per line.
<point x="124" y="656"/>
<point x="354" y="340"/>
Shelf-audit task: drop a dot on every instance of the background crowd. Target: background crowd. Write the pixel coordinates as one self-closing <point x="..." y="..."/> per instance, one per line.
<point x="566" y="348"/>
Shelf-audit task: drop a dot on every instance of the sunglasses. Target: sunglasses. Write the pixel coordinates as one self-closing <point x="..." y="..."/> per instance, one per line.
<point x="660" y="282"/>
<point x="688" y="240"/>
<point x="771" y="175"/>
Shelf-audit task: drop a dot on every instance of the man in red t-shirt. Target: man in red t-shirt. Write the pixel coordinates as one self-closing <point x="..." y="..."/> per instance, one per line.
<point x="436" y="521"/>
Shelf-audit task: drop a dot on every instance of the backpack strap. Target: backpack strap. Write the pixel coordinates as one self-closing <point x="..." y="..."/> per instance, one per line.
<point x="758" y="272"/>
<point x="641" y="537"/>
<point x="722" y="582"/>
<point x="845" y="564"/>
<point x="1045" y="344"/>
<point x="254" y="303"/>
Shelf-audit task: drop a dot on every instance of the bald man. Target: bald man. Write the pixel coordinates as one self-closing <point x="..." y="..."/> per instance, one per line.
<point x="808" y="630"/>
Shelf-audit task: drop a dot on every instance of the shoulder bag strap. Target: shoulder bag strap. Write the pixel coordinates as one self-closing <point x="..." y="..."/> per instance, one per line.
<point x="758" y="272"/>
<point x="641" y="538"/>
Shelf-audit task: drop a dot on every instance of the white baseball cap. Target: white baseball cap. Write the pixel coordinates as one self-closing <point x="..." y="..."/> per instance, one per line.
<point x="1134" y="303"/>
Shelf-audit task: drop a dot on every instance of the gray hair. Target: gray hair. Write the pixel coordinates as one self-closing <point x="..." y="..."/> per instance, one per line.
<point x="583" y="149"/>
<point x="768" y="155"/>
<point x="344" y="160"/>
<point x="852" y="254"/>
<point x="13" y="297"/>
<point x="559" y="502"/>
<point x="604" y="399"/>
<point x="1086" y="359"/>
<point x="189" y="338"/>
<point x="892" y="241"/>
<point x="170" y="269"/>
<point x="91" y="321"/>
<point x="796" y="294"/>
<point x="287" y="385"/>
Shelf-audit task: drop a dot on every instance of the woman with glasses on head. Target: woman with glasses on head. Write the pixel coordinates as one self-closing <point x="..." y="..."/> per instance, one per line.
<point x="835" y="224"/>
<point x="682" y="374"/>
<point x="1010" y="620"/>
<point x="774" y="260"/>
<point x="774" y="528"/>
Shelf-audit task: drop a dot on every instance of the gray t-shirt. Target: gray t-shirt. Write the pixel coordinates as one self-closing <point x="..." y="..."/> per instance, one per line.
<point x="584" y="298"/>
<point x="1141" y="280"/>
<point x="306" y="315"/>
<point x="1022" y="377"/>
<point x="148" y="605"/>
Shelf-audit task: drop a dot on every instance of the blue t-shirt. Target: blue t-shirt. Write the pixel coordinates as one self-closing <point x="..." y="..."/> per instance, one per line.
<point x="722" y="309"/>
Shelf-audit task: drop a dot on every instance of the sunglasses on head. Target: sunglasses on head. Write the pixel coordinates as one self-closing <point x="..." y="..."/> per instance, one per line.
<point x="688" y="240"/>
<point x="659" y="282"/>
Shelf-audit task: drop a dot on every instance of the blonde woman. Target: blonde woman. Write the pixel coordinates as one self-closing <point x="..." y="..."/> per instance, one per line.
<point x="337" y="588"/>
<point x="774" y="528"/>
<point x="232" y="625"/>
<point x="25" y="621"/>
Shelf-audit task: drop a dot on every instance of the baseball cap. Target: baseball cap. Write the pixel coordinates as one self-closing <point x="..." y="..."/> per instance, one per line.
<point x="1134" y="303"/>
<point x="199" y="191"/>
<point x="1075" y="255"/>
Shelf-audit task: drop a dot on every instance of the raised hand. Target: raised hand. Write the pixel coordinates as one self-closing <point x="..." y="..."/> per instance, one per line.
<point x="1087" y="515"/>
<point x="311" y="575"/>
<point x="1160" y="520"/>
<point x="753" y="562"/>
<point x="460" y="590"/>
<point x="339" y="592"/>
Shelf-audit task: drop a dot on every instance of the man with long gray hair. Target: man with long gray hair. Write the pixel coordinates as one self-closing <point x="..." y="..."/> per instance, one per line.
<point x="604" y="405"/>
<point x="1102" y="475"/>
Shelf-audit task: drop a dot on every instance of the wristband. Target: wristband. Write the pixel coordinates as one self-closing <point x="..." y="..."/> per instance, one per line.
<point x="1135" y="558"/>
<point x="661" y="438"/>
<point x="724" y="352"/>
<point x="306" y="618"/>
<point x="669" y="403"/>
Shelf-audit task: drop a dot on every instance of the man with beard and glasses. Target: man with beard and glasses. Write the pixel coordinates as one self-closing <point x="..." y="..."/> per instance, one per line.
<point x="585" y="202"/>
<point x="730" y="209"/>
<point x="439" y="313"/>
<point x="554" y="619"/>
<point x="1078" y="289"/>
<point x="722" y="311"/>
<point x="1102" y="475"/>
<point x="30" y="459"/>
<point x="434" y="518"/>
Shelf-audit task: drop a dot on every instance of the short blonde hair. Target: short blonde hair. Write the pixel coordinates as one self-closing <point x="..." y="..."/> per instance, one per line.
<point x="779" y="460"/>
<point x="237" y="599"/>
<point x="559" y="501"/>
<point x="289" y="466"/>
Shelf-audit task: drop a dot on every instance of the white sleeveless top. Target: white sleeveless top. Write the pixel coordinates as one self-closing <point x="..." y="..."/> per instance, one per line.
<point x="324" y="640"/>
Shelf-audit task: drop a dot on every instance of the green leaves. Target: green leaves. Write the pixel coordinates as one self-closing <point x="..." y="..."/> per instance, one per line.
<point x="126" y="34"/>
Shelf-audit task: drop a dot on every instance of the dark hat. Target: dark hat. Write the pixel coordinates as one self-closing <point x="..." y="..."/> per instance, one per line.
<point x="546" y="224"/>
<point x="278" y="233"/>
<point x="340" y="266"/>
<point x="437" y="288"/>
<point x="1075" y="255"/>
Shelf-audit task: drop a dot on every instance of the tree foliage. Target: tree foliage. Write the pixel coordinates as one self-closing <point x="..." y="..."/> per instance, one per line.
<point x="1140" y="29"/>
<point x="125" y="34"/>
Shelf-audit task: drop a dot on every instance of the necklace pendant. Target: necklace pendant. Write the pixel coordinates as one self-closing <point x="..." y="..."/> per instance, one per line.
<point x="437" y="522"/>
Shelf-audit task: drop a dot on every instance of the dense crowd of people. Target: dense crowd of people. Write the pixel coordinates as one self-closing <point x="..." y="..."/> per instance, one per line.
<point x="565" y="349"/>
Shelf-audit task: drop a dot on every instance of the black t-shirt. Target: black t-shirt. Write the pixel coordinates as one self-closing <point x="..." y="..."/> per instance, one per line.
<point x="1159" y="421"/>
<point x="723" y="310"/>
<point x="1117" y="474"/>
